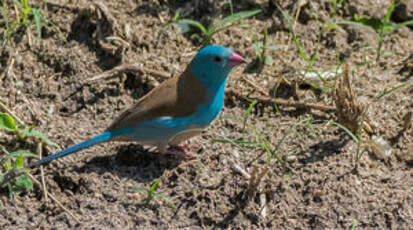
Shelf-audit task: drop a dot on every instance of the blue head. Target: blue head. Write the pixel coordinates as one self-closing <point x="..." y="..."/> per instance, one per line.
<point x="212" y="64"/>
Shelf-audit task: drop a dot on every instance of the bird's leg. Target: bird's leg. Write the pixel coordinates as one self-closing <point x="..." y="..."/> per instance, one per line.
<point x="174" y="150"/>
<point x="182" y="151"/>
<point x="186" y="145"/>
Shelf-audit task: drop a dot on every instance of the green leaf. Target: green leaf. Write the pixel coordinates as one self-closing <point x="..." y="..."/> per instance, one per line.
<point x="154" y="185"/>
<point x="26" y="12"/>
<point x="374" y="23"/>
<point x="20" y="5"/>
<point x="7" y="165"/>
<point x="389" y="91"/>
<point x="24" y="153"/>
<point x="170" y="203"/>
<point x="37" y="17"/>
<point x="136" y="189"/>
<point x="345" y="130"/>
<point x="160" y="195"/>
<point x="268" y="60"/>
<point x="239" y="143"/>
<point x="389" y="26"/>
<point x="19" y="161"/>
<point x="257" y="46"/>
<point x="354" y="225"/>
<point x="26" y="4"/>
<point x="238" y="16"/>
<point x="30" y="132"/>
<point x="389" y="11"/>
<point x="211" y="29"/>
<point x="406" y="23"/>
<point x="193" y="23"/>
<point x="7" y="122"/>
<point x="294" y="36"/>
<point x="15" y="155"/>
<point x="288" y="132"/>
<point x="23" y="183"/>
<point x="353" y="23"/>
<point x="272" y="47"/>
<point x="248" y="113"/>
<point x="176" y="16"/>
<point x="265" y="144"/>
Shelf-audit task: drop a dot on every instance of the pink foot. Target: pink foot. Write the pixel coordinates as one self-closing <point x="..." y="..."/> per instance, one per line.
<point x="181" y="152"/>
<point x="188" y="146"/>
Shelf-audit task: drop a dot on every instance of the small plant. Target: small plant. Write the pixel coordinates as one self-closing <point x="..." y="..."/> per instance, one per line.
<point x="150" y="193"/>
<point x="271" y="151"/>
<point x="231" y="7"/>
<point x="12" y="174"/>
<point x="335" y="4"/>
<point x="309" y="59"/>
<point x="356" y="138"/>
<point x="379" y="26"/>
<point x="248" y="112"/>
<point x="7" y="123"/>
<point x="354" y="225"/>
<point x="268" y="147"/>
<point x="24" y="16"/>
<point x="261" y="48"/>
<point x="172" y="21"/>
<point x="216" y="25"/>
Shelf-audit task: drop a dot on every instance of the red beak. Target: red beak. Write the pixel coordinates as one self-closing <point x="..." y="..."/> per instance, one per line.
<point x="235" y="60"/>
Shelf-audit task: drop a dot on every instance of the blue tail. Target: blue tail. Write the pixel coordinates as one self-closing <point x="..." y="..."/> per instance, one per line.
<point x="75" y="148"/>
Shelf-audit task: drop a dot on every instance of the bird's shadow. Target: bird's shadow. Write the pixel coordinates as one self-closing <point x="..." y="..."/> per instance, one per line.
<point x="323" y="149"/>
<point x="132" y="161"/>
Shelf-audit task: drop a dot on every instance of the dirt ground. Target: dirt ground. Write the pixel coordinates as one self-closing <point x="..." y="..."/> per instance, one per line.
<point x="318" y="187"/>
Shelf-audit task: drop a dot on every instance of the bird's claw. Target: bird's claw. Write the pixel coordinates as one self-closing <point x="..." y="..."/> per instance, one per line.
<point x="181" y="151"/>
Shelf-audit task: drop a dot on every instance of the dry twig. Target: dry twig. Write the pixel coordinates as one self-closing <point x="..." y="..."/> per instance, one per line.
<point x="125" y="68"/>
<point x="106" y="13"/>
<point x="257" y="87"/>
<point x="407" y="121"/>
<point x="240" y="170"/>
<point x="283" y="102"/>
<point x="263" y="201"/>
<point x="253" y="186"/>
<point x="42" y="184"/>
<point x="54" y="199"/>
<point x="7" y="110"/>
<point x="8" y="68"/>
<point x="108" y="33"/>
<point x="39" y="152"/>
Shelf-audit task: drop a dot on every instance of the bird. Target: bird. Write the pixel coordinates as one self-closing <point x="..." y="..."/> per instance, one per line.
<point x="174" y="111"/>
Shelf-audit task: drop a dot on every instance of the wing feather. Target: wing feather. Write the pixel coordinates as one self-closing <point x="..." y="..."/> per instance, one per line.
<point x="176" y="97"/>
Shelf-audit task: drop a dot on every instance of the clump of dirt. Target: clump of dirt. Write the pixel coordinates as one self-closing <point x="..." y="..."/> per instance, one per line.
<point x="64" y="87"/>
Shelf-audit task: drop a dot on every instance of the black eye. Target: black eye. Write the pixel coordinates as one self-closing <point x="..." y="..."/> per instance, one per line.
<point x="217" y="59"/>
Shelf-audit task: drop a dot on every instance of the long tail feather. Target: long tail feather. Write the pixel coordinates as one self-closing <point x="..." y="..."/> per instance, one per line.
<point x="75" y="148"/>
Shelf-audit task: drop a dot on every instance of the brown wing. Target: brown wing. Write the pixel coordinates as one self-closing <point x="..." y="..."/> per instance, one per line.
<point x="176" y="97"/>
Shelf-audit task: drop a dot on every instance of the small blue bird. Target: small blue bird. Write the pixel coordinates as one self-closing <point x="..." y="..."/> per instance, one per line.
<point x="178" y="109"/>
